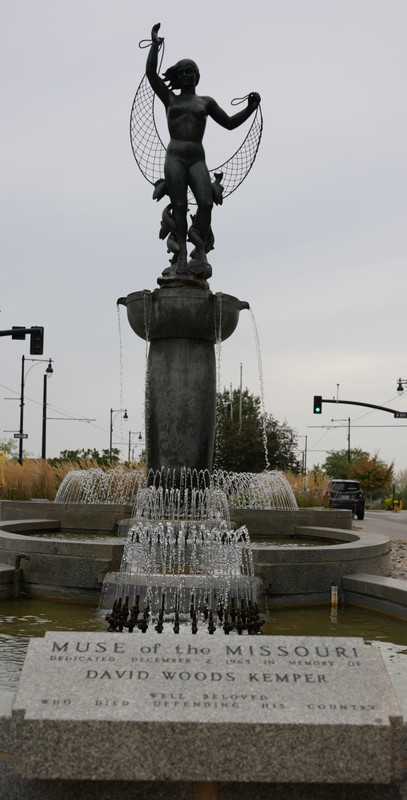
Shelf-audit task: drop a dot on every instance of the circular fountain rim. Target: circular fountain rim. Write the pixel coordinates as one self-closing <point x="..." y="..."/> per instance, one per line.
<point x="353" y="544"/>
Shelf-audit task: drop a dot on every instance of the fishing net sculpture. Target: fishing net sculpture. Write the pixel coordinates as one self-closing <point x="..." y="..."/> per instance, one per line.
<point x="149" y="150"/>
<point x="180" y="170"/>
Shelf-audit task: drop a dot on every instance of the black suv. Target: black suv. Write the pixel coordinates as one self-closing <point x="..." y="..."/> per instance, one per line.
<point x="346" y="494"/>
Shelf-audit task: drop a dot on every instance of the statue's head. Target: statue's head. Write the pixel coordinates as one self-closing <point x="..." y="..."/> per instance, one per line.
<point x="176" y="75"/>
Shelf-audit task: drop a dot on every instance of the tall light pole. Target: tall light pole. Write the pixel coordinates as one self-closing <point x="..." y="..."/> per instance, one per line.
<point x="114" y="411"/>
<point x="24" y="374"/>
<point x="133" y="433"/>
<point x="47" y="374"/>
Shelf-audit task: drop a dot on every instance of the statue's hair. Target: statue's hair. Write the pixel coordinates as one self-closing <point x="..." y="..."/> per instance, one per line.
<point x="170" y="76"/>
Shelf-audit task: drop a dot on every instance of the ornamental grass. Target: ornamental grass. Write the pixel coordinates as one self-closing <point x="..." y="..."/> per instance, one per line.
<point x="309" y="489"/>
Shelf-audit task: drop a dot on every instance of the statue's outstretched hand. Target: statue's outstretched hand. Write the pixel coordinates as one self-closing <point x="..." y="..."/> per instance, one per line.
<point x="154" y="34"/>
<point x="253" y="100"/>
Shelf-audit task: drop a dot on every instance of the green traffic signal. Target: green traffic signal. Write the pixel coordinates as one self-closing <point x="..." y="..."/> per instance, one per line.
<point x="317" y="404"/>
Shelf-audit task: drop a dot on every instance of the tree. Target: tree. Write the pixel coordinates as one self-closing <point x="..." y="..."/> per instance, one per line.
<point x="241" y="444"/>
<point x="337" y="465"/>
<point x="374" y="475"/>
<point x="282" y="445"/>
<point x="400" y="481"/>
<point x="317" y="472"/>
<point x="77" y="456"/>
<point x="9" y="447"/>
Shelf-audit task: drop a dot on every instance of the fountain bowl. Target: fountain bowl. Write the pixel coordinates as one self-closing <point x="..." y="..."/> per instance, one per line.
<point x="182" y="313"/>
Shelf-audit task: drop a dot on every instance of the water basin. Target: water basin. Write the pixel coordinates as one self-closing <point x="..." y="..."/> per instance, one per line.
<point x="322" y="621"/>
<point x="294" y="541"/>
<point x="77" y="535"/>
<point x="22" y="619"/>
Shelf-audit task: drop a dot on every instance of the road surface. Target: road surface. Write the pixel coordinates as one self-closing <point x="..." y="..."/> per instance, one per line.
<point x="390" y="523"/>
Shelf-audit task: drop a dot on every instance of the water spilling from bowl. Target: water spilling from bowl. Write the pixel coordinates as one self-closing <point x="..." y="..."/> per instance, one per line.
<point x="265" y="490"/>
<point x="96" y="485"/>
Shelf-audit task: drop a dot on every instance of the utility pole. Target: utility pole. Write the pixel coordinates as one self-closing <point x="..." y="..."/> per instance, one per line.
<point x="21" y="430"/>
<point x="241" y="399"/>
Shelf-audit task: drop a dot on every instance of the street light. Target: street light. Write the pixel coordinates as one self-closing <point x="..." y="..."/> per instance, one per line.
<point x="24" y="374"/>
<point x="115" y="411"/>
<point x="133" y="433"/>
<point x="401" y="383"/>
<point x="47" y="374"/>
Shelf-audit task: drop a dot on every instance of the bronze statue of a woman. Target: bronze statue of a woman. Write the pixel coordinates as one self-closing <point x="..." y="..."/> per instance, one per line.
<point x="185" y="167"/>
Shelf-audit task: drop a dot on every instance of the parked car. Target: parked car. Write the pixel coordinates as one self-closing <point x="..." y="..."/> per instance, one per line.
<point x="346" y="494"/>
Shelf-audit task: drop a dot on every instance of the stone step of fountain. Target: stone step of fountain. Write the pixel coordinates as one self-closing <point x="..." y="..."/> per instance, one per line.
<point x="386" y="595"/>
<point x="7" y="580"/>
<point x="269" y="709"/>
<point x="6" y="573"/>
<point x="177" y="589"/>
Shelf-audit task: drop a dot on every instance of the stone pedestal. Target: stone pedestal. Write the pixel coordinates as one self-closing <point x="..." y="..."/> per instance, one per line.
<point x="231" y="710"/>
<point x="182" y="326"/>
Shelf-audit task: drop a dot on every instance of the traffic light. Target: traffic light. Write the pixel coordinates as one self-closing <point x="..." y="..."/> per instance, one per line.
<point x="37" y="341"/>
<point x="317" y="404"/>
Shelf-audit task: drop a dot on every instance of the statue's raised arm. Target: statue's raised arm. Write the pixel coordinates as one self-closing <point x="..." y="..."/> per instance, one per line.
<point x="185" y="166"/>
<point x="156" y="82"/>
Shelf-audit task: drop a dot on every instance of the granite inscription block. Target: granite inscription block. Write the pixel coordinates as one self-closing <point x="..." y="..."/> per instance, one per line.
<point x="206" y="708"/>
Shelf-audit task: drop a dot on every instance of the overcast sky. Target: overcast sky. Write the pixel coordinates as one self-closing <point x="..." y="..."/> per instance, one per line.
<point x="315" y="239"/>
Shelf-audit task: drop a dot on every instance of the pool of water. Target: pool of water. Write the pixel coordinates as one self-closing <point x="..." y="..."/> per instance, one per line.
<point x="21" y="619"/>
<point x="322" y="621"/>
<point x="76" y="535"/>
<point x="100" y="537"/>
<point x="294" y="541"/>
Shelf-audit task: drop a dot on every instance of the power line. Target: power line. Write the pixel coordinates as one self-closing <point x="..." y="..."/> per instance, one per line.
<point x="69" y="415"/>
<point x="332" y="427"/>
